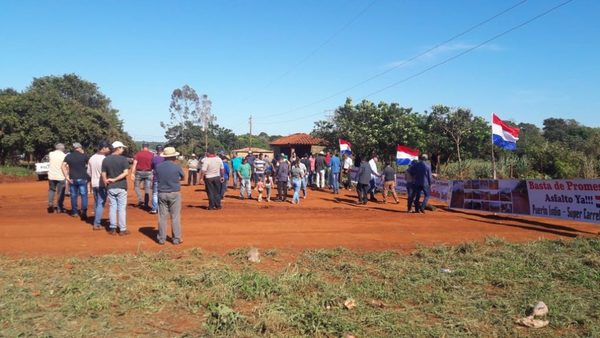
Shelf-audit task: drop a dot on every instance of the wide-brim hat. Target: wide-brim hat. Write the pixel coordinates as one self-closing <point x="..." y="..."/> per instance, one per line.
<point x="169" y="152"/>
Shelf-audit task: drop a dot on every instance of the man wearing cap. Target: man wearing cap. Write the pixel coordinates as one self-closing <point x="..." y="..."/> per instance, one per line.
<point x="115" y="169"/>
<point x="56" y="178"/>
<point x="212" y="173"/>
<point x="141" y="172"/>
<point x="94" y="171"/>
<point x="74" y="168"/>
<point x="193" y="164"/>
<point x="169" y="175"/>
<point x="155" y="162"/>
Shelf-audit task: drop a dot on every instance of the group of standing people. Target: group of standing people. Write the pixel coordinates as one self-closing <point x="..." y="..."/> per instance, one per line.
<point x="106" y="172"/>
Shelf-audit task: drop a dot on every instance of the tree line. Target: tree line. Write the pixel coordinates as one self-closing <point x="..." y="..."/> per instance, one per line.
<point x="459" y="142"/>
<point x="55" y="109"/>
<point x="69" y="109"/>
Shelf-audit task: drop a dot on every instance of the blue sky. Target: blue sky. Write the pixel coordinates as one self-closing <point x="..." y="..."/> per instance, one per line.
<point x="273" y="59"/>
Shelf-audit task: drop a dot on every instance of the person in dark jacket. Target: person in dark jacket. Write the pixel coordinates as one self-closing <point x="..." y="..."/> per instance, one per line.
<point x="363" y="179"/>
<point x="410" y="187"/>
<point x="421" y="173"/>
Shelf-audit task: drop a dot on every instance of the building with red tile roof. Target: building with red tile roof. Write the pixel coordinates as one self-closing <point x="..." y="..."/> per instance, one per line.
<point x="298" y="143"/>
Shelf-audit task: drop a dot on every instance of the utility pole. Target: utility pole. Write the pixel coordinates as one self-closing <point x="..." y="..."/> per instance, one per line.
<point x="250" y="124"/>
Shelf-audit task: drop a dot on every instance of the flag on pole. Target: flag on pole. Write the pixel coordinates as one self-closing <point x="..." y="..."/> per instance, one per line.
<point x="345" y="147"/>
<point x="503" y="135"/>
<point x="405" y="155"/>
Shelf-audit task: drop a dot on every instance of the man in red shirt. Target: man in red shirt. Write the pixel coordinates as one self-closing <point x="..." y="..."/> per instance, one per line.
<point x="141" y="172"/>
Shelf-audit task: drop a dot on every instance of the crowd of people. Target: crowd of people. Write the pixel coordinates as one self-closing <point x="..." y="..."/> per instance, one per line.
<point x="105" y="174"/>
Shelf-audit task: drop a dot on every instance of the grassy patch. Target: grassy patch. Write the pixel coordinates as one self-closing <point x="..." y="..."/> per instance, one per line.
<point x="484" y="289"/>
<point x="15" y="171"/>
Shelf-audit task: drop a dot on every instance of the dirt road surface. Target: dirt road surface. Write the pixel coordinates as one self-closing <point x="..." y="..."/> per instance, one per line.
<point x="323" y="220"/>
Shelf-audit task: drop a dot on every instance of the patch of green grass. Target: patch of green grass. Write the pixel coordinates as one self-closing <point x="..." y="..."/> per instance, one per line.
<point x="189" y="293"/>
<point x="15" y="171"/>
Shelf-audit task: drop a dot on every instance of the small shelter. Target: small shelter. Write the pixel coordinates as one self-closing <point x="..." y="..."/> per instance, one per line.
<point x="298" y="143"/>
<point x="256" y="151"/>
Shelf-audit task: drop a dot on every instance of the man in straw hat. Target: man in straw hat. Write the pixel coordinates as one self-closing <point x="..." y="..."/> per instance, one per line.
<point x="169" y="176"/>
<point x="115" y="169"/>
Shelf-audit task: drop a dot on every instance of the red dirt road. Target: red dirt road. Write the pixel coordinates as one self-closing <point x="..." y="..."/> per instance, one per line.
<point x="321" y="221"/>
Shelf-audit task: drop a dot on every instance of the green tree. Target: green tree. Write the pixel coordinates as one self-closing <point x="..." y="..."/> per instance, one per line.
<point x="56" y="109"/>
<point x="370" y="127"/>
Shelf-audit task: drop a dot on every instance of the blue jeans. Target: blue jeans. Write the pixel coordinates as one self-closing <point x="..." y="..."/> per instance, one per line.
<point x="99" y="201"/>
<point x="335" y="182"/>
<point x="79" y="187"/>
<point x="417" y="192"/>
<point x="117" y="198"/>
<point x="372" y="187"/>
<point x="296" y="183"/>
<point x="155" y="196"/>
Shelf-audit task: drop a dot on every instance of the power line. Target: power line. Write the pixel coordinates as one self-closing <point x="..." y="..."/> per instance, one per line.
<point x="454" y="56"/>
<point x="470" y="49"/>
<point x="413" y="58"/>
<point x="318" y="48"/>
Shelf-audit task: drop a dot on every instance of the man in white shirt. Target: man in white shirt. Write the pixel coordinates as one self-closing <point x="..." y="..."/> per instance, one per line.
<point x="212" y="173"/>
<point x="94" y="171"/>
<point x="346" y="167"/>
<point x="56" y="178"/>
<point x="374" y="174"/>
<point x="193" y="165"/>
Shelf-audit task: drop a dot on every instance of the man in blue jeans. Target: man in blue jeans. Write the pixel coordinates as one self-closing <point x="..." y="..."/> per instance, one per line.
<point x="158" y="159"/>
<point x="98" y="188"/>
<point x="336" y="166"/>
<point x="74" y="168"/>
<point x="115" y="169"/>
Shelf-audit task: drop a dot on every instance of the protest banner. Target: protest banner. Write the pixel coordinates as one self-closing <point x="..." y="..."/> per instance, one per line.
<point x="577" y="200"/>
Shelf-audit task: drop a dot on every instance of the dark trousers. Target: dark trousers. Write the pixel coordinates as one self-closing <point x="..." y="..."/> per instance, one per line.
<point x="213" y="190"/>
<point x="192" y="177"/>
<point x="417" y="194"/>
<point x="410" y="197"/>
<point x="56" y="187"/>
<point x="282" y="190"/>
<point x="346" y="179"/>
<point x="362" y="190"/>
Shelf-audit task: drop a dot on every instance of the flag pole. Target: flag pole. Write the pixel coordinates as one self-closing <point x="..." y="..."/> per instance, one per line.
<point x="493" y="157"/>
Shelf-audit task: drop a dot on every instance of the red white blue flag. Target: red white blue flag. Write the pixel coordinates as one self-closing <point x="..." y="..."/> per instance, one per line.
<point x="405" y="155"/>
<point x="503" y="135"/>
<point x="345" y="147"/>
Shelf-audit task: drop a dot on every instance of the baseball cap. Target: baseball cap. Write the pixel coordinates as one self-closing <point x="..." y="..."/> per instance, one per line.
<point x="118" y="144"/>
<point x="159" y="147"/>
<point x="77" y="145"/>
<point x="103" y="144"/>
